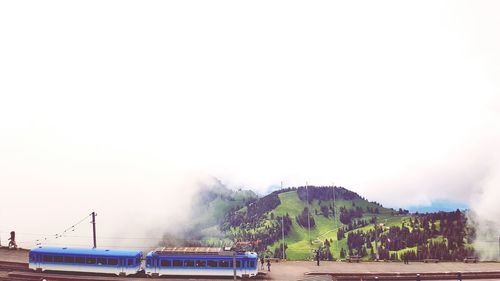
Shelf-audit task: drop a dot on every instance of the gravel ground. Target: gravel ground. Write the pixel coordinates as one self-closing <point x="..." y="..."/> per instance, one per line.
<point x="294" y="270"/>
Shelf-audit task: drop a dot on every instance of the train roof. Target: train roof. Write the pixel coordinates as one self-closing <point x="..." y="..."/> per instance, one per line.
<point x="189" y="251"/>
<point x="194" y="251"/>
<point x="86" y="251"/>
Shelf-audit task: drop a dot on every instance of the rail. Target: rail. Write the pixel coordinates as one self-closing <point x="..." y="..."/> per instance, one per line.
<point x="9" y="266"/>
<point x="356" y="276"/>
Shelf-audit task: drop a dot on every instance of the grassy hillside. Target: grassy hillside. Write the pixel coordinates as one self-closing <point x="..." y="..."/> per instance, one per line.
<point x="349" y="225"/>
<point x="299" y="247"/>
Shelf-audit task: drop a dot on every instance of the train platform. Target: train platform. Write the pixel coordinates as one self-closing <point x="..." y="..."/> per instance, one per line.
<point x="11" y="255"/>
<point x="303" y="270"/>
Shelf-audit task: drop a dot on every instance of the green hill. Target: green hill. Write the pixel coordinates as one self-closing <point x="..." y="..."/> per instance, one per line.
<point x="342" y="223"/>
<point x="333" y="221"/>
<point x="326" y="228"/>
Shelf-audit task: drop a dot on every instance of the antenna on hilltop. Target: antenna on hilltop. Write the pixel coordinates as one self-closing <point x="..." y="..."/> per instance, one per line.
<point x="283" y="229"/>
<point x="334" y="211"/>
<point x="308" y="216"/>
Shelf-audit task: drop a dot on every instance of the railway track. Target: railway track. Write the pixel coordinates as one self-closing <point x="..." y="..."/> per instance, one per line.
<point x="15" y="271"/>
<point x="393" y="276"/>
<point x="37" y="276"/>
<point x="6" y="267"/>
<point x="13" y="266"/>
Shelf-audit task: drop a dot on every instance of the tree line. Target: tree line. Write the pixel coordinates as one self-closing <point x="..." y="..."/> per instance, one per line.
<point x="439" y="235"/>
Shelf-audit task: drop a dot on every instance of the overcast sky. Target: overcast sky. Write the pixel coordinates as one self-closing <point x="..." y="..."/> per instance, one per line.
<point x="118" y="106"/>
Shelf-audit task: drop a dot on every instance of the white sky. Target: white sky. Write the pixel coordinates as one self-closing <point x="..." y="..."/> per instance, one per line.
<point x="134" y="102"/>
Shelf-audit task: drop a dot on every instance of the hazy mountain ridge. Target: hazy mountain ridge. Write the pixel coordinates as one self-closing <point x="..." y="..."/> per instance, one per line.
<point x="209" y="206"/>
<point x="334" y="220"/>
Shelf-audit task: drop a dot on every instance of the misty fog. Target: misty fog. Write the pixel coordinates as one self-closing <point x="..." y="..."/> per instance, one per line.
<point x="129" y="113"/>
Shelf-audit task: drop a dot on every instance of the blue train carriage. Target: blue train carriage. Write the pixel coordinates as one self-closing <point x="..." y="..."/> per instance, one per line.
<point x="199" y="261"/>
<point x="89" y="260"/>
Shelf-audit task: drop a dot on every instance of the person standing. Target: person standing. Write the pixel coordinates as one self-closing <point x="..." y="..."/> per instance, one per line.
<point x="268" y="265"/>
<point x="317" y="257"/>
<point x="261" y="263"/>
<point x="12" y="242"/>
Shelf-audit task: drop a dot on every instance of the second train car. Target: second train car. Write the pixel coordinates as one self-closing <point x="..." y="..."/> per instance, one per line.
<point x="200" y="261"/>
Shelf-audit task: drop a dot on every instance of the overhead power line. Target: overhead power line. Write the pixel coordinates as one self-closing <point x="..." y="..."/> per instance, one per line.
<point x="72" y="228"/>
<point x="89" y="236"/>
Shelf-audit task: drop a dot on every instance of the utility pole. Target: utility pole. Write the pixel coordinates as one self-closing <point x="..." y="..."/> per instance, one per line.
<point x="283" y="229"/>
<point x="93" y="227"/>
<point x="376" y="239"/>
<point x="234" y="264"/>
<point x="308" y="215"/>
<point x="334" y="224"/>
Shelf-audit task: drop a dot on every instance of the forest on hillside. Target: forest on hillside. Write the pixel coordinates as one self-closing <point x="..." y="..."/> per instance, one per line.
<point x="442" y="235"/>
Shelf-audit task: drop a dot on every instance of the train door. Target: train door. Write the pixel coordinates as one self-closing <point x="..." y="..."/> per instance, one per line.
<point x="34" y="260"/>
<point x="152" y="265"/>
<point x="156" y="266"/>
<point x="244" y="266"/>
<point x="39" y="263"/>
<point x="149" y="267"/>
<point x="123" y="266"/>
<point x="38" y="259"/>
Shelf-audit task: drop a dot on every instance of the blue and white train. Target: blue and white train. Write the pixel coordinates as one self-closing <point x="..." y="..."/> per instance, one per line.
<point x="119" y="262"/>
<point x="176" y="261"/>
<point x="200" y="261"/>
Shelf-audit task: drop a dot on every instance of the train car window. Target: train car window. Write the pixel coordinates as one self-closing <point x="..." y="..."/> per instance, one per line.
<point x="90" y="261"/>
<point x="212" y="263"/>
<point x="252" y="264"/>
<point x="189" y="263"/>
<point x="58" y="259"/>
<point x="165" y="263"/>
<point x="201" y="263"/>
<point x="223" y="263"/>
<point x="48" y="259"/>
<point x="148" y="262"/>
<point x="102" y="261"/>
<point x="69" y="259"/>
<point x="32" y="258"/>
<point x="113" y="261"/>
<point x="80" y="260"/>
<point x="177" y="263"/>
<point x="237" y="264"/>
<point x="130" y="261"/>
